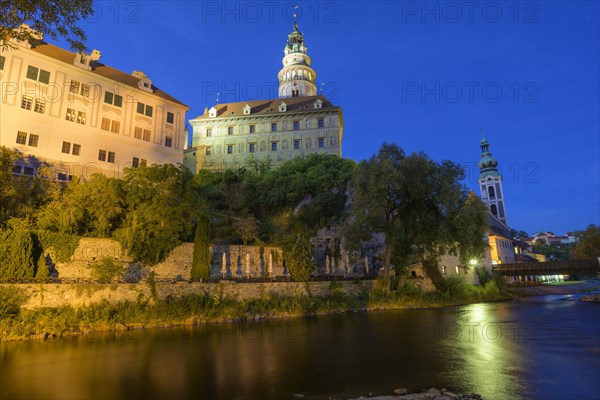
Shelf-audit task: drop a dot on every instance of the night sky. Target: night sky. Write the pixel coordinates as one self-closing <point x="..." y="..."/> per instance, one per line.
<point x="426" y="75"/>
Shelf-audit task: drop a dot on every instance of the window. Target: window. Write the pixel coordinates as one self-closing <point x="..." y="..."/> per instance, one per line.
<point x="170" y="118"/>
<point x="296" y="125"/>
<point x="2" y="61"/>
<point x="81" y="117"/>
<point x="144" y="109"/>
<point x="274" y="146"/>
<point x="208" y="132"/>
<point x="111" y="157"/>
<point x="115" y="126"/>
<point x="230" y="130"/>
<point x="321" y="142"/>
<point x="21" y="137"/>
<point x="37" y="74"/>
<point x="70" y="115"/>
<point x="146" y="135"/>
<point x="114" y="99"/>
<point x="105" y="125"/>
<point x="66" y="147"/>
<point x="494" y="210"/>
<point x="252" y="128"/>
<point x="137" y="133"/>
<point x="296" y="144"/>
<point x="61" y="176"/>
<point x="208" y="151"/>
<point x="33" y="140"/>
<point x="102" y="155"/>
<point x="85" y="90"/>
<point x="252" y="147"/>
<point x="28" y="171"/>
<point x="321" y="123"/>
<point x="40" y="106"/>
<point x="135" y="162"/>
<point x="229" y="149"/>
<point x="74" y="88"/>
<point x="168" y="141"/>
<point x="76" y="149"/>
<point x="17" y="169"/>
<point x="274" y="127"/>
<point x="26" y="102"/>
<point x="143" y="162"/>
<point x="491" y="192"/>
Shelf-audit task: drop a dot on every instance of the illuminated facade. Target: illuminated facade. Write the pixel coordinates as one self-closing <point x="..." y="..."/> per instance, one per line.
<point x="299" y="122"/>
<point x="82" y="116"/>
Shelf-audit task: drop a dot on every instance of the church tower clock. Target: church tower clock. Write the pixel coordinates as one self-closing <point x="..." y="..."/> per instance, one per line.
<point x="490" y="183"/>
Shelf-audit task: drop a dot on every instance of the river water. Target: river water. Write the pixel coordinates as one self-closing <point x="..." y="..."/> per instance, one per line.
<point x="545" y="347"/>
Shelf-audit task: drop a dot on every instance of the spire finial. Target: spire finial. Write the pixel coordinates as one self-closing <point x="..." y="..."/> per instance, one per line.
<point x="295" y="16"/>
<point x="482" y="135"/>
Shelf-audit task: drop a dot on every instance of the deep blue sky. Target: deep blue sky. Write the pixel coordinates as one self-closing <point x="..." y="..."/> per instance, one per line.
<point x="527" y="74"/>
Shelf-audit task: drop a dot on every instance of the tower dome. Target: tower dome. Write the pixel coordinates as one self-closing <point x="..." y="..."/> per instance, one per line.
<point x="296" y="78"/>
<point x="487" y="163"/>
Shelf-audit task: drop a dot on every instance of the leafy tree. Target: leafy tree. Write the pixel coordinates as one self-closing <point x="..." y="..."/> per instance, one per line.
<point x="161" y="210"/>
<point x="202" y="257"/>
<point x="299" y="259"/>
<point x="106" y="270"/>
<point x="50" y="17"/>
<point x="588" y="244"/>
<point x="419" y="204"/>
<point x="42" y="268"/>
<point x="518" y="234"/>
<point x="95" y="208"/>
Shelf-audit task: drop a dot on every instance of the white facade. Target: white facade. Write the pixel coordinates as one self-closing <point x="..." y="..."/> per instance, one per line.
<point x="84" y="117"/>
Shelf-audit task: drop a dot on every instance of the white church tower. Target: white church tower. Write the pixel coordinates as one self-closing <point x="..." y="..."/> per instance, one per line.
<point x="296" y="78"/>
<point x="490" y="183"/>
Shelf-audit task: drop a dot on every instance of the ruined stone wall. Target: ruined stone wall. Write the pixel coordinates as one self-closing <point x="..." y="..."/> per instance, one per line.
<point x="85" y="294"/>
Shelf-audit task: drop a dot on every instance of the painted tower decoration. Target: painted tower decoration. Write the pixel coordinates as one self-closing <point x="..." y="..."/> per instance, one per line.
<point x="490" y="183"/>
<point x="296" y="78"/>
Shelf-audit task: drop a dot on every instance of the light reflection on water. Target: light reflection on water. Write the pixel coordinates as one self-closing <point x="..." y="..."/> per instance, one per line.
<point x="534" y="348"/>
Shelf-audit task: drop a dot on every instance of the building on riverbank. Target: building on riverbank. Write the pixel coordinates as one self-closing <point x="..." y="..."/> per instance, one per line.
<point x="82" y="116"/>
<point x="299" y="122"/>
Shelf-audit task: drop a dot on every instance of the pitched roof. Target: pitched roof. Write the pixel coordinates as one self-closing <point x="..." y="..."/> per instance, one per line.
<point x="98" y="68"/>
<point x="266" y="107"/>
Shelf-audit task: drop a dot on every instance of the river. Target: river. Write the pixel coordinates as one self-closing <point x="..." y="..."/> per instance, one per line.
<point x="544" y="347"/>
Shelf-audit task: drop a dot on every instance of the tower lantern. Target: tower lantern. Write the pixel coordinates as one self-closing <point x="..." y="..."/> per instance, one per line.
<point x="490" y="182"/>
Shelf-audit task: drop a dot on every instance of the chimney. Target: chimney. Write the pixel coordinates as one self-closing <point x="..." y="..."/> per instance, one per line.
<point x="95" y="55"/>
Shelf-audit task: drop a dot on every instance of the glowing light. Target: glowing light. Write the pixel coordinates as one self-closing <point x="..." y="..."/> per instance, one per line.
<point x="473" y="261"/>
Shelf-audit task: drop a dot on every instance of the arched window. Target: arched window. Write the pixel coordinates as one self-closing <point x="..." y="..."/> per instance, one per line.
<point x="491" y="192"/>
<point x="494" y="210"/>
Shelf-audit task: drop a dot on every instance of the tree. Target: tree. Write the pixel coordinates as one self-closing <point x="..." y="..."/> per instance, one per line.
<point x="299" y="259"/>
<point x="518" y="234"/>
<point x="247" y="227"/>
<point x="588" y="244"/>
<point x="17" y="250"/>
<point x="49" y="17"/>
<point x="201" y="260"/>
<point x="161" y="210"/>
<point x="418" y="204"/>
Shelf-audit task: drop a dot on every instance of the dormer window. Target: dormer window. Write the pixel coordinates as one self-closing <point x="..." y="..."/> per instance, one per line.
<point x="212" y="112"/>
<point x="247" y="109"/>
<point x="144" y="82"/>
<point x="282" y="107"/>
<point x="318" y="103"/>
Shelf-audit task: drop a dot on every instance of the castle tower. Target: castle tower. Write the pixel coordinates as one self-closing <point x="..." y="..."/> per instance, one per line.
<point x="296" y="78"/>
<point x="490" y="183"/>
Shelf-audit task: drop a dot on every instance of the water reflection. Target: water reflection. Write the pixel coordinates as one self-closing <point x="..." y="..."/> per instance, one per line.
<point x="516" y="350"/>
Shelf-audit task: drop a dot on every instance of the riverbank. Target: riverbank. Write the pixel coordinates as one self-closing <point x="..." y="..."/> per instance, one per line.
<point x="429" y="394"/>
<point x="154" y="311"/>
<point x="569" y="287"/>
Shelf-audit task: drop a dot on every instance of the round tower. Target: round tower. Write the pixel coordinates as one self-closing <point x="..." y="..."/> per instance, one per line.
<point x="296" y="78"/>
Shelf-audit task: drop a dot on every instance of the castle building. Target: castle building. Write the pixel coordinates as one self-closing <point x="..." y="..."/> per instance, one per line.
<point x="299" y="122"/>
<point x="81" y="116"/>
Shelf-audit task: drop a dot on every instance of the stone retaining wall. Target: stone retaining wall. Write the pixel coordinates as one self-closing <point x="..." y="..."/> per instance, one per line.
<point x="85" y="294"/>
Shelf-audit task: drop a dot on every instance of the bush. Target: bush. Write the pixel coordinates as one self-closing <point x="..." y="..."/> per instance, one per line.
<point x="16" y="251"/>
<point x="455" y="286"/>
<point x="11" y="300"/>
<point x="106" y="270"/>
<point x="299" y="260"/>
<point x="201" y="260"/>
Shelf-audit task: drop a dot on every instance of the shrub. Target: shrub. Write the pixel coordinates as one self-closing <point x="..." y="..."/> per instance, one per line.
<point x="299" y="260"/>
<point x="106" y="270"/>
<point x="11" y="300"/>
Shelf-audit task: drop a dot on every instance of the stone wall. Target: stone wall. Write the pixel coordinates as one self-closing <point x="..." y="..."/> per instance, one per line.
<point x="85" y="294"/>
